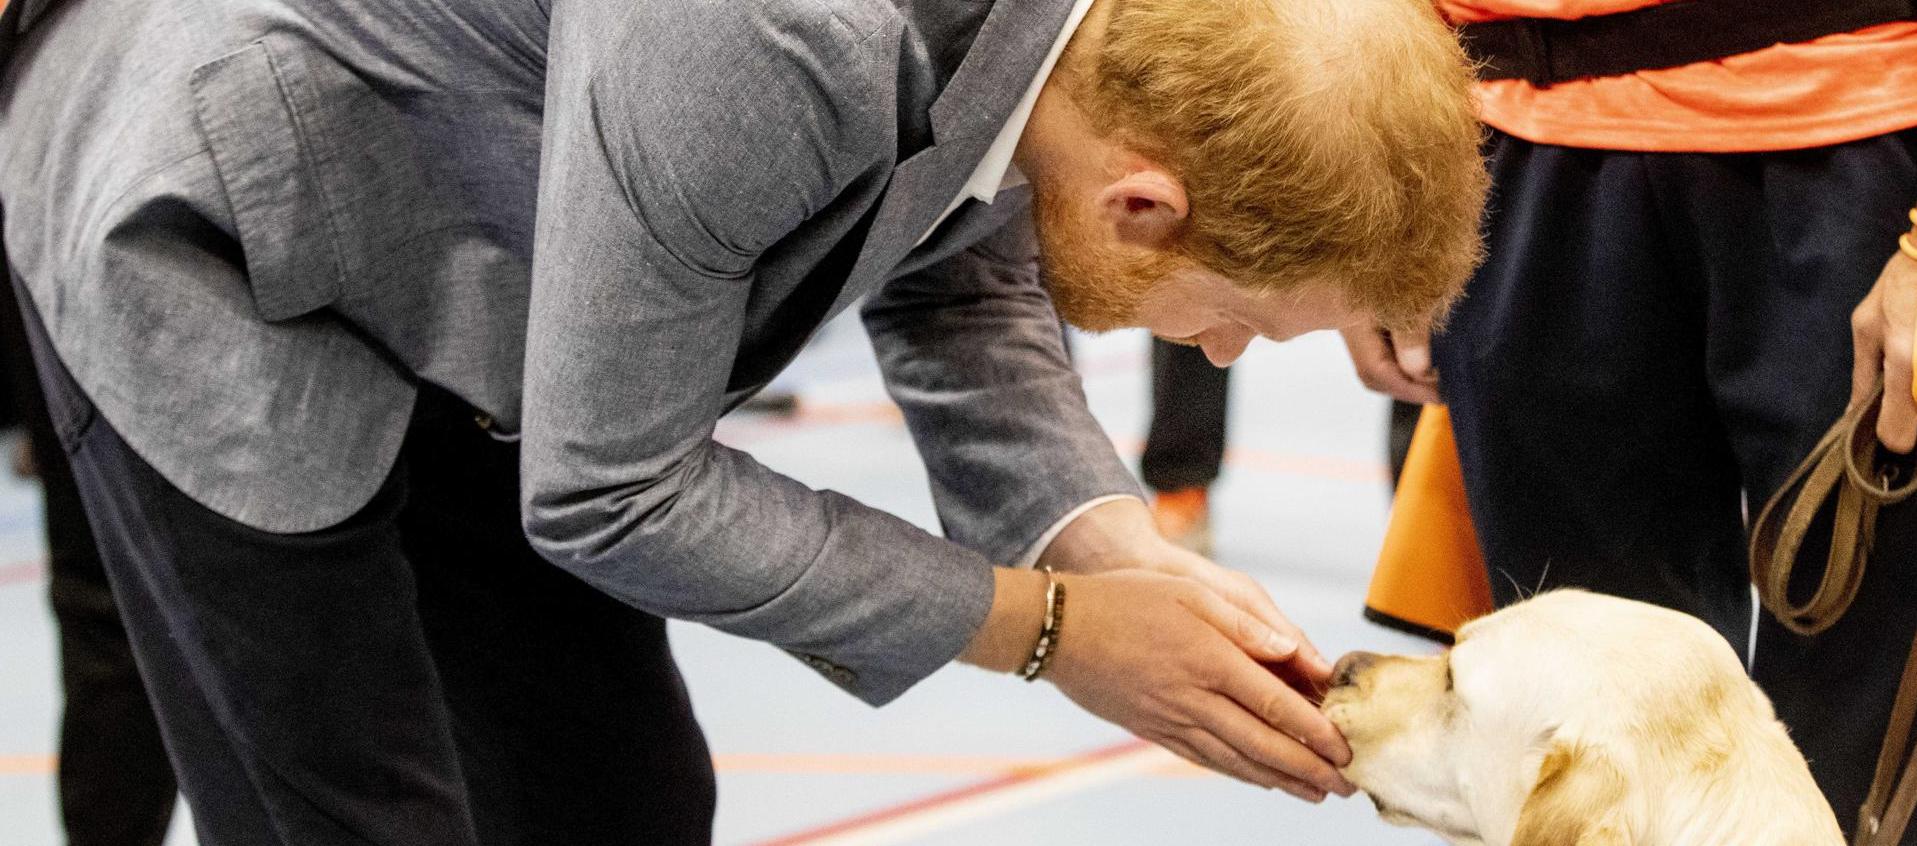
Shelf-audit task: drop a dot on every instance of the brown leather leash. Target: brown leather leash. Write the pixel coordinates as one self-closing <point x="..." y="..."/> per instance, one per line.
<point x="1850" y="463"/>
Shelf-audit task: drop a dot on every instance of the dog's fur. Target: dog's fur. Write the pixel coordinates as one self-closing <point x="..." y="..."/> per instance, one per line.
<point x="1575" y="719"/>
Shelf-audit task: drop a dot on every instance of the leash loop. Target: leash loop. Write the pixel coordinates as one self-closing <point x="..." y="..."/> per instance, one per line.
<point x="1851" y="464"/>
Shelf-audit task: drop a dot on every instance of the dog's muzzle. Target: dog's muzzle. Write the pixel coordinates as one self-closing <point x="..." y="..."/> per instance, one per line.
<point x="1345" y="672"/>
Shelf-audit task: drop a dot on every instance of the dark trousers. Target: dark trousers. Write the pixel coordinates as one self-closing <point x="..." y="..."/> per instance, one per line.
<point x="1186" y="443"/>
<point x="1656" y="341"/>
<point x="116" y="785"/>
<point x="414" y="676"/>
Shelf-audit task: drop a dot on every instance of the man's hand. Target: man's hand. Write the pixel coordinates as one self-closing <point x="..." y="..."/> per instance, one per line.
<point x="1177" y="664"/>
<point x="1180" y="651"/>
<point x="1120" y="535"/>
<point x="1881" y="330"/>
<point x="1394" y="363"/>
<point x="1307" y="670"/>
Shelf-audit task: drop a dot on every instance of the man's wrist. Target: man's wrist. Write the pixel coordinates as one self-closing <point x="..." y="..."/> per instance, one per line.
<point x="1116" y="534"/>
<point x="1004" y="643"/>
<point x="1034" y="555"/>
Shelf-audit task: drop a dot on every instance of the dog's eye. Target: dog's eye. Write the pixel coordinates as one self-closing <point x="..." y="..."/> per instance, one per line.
<point x="1447" y="676"/>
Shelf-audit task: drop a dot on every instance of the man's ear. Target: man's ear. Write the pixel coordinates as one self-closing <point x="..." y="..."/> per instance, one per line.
<point x="1578" y="801"/>
<point x="1146" y="207"/>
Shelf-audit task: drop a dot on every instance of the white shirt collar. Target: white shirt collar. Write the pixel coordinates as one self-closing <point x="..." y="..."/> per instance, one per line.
<point x="995" y="171"/>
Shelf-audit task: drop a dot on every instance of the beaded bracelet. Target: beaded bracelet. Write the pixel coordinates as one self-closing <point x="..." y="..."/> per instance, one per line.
<point x="1047" y="645"/>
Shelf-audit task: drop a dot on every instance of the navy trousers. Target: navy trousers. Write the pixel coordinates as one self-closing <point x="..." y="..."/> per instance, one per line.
<point x="1654" y="343"/>
<point x="415" y="676"/>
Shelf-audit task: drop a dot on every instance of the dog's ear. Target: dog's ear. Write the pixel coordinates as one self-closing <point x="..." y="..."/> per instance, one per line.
<point x="1577" y="801"/>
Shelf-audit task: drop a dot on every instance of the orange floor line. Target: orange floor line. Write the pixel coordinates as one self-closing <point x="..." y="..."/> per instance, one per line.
<point x="813" y="413"/>
<point x="22" y="571"/>
<point x="877" y="764"/>
<point x="833" y="831"/>
<point x="793" y="765"/>
<point x="909" y="765"/>
<point x="26" y="764"/>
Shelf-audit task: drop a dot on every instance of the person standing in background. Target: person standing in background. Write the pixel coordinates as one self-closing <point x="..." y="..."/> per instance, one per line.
<point x="115" y="785"/>
<point x="1689" y="202"/>
<point x="1185" y="447"/>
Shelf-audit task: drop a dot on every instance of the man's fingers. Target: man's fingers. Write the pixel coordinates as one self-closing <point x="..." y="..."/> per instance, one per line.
<point x="1897" y="421"/>
<point x="1867" y="347"/>
<point x="1307" y="668"/>
<point x="1247" y="615"/>
<point x="1268" y="747"/>
<point x="1383" y="368"/>
<point x="1414" y="356"/>
<point x="1245" y="630"/>
<point x="1282" y="654"/>
<point x="1250" y="596"/>
<point x="1210" y="752"/>
<point x="1385" y="378"/>
<point x="1417" y="394"/>
<point x="1259" y="692"/>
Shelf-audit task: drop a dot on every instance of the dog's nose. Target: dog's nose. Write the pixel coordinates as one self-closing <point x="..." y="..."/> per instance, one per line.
<point x="1346" y="671"/>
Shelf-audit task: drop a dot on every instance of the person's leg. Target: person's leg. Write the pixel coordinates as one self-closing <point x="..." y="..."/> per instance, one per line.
<point x="572" y="722"/>
<point x="1784" y="282"/>
<point x="116" y="785"/>
<point x="289" y="672"/>
<point x="1186" y="443"/>
<point x="1575" y="373"/>
<point x="1185" y="447"/>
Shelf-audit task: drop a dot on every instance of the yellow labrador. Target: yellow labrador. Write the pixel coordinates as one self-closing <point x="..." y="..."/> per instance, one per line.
<point x="1575" y="719"/>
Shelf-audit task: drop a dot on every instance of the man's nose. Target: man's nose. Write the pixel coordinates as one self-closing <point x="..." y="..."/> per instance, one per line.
<point x="1223" y="347"/>
<point x="1345" y="672"/>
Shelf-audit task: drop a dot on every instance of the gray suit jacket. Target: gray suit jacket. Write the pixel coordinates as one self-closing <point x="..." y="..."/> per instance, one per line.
<point x="251" y="226"/>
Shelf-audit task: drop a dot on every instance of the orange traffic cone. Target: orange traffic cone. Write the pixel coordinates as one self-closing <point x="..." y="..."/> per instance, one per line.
<point x="1431" y="577"/>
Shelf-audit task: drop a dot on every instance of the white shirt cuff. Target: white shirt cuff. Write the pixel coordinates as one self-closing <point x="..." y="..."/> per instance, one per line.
<point x="1031" y="556"/>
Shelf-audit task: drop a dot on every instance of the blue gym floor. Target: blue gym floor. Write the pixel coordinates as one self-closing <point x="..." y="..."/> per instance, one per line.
<point x="966" y="757"/>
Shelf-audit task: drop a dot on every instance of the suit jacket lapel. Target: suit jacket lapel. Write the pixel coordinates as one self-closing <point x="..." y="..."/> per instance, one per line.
<point x="966" y="116"/>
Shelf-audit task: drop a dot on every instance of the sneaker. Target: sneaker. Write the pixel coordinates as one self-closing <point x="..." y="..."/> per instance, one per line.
<point x="1184" y="518"/>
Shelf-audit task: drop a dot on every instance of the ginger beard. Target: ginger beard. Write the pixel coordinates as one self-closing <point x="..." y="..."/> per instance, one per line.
<point x="1096" y="284"/>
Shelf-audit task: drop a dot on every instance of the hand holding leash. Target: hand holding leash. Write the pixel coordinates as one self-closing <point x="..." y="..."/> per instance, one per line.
<point x="1882" y="329"/>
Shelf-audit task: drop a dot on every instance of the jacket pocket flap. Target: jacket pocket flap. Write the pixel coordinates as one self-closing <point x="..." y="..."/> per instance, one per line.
<point x="247" y="105"/>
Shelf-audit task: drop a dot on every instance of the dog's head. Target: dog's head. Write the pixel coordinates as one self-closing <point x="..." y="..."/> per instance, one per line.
<point x="1533" y="728"/>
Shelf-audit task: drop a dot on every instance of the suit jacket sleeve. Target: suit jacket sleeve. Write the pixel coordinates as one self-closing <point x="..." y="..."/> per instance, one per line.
<point x="973" y="353"/>
<point x="665" y="174"/>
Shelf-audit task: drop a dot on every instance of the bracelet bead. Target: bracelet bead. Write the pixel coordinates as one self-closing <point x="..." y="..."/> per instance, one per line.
<point x="1047" y="644"/>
